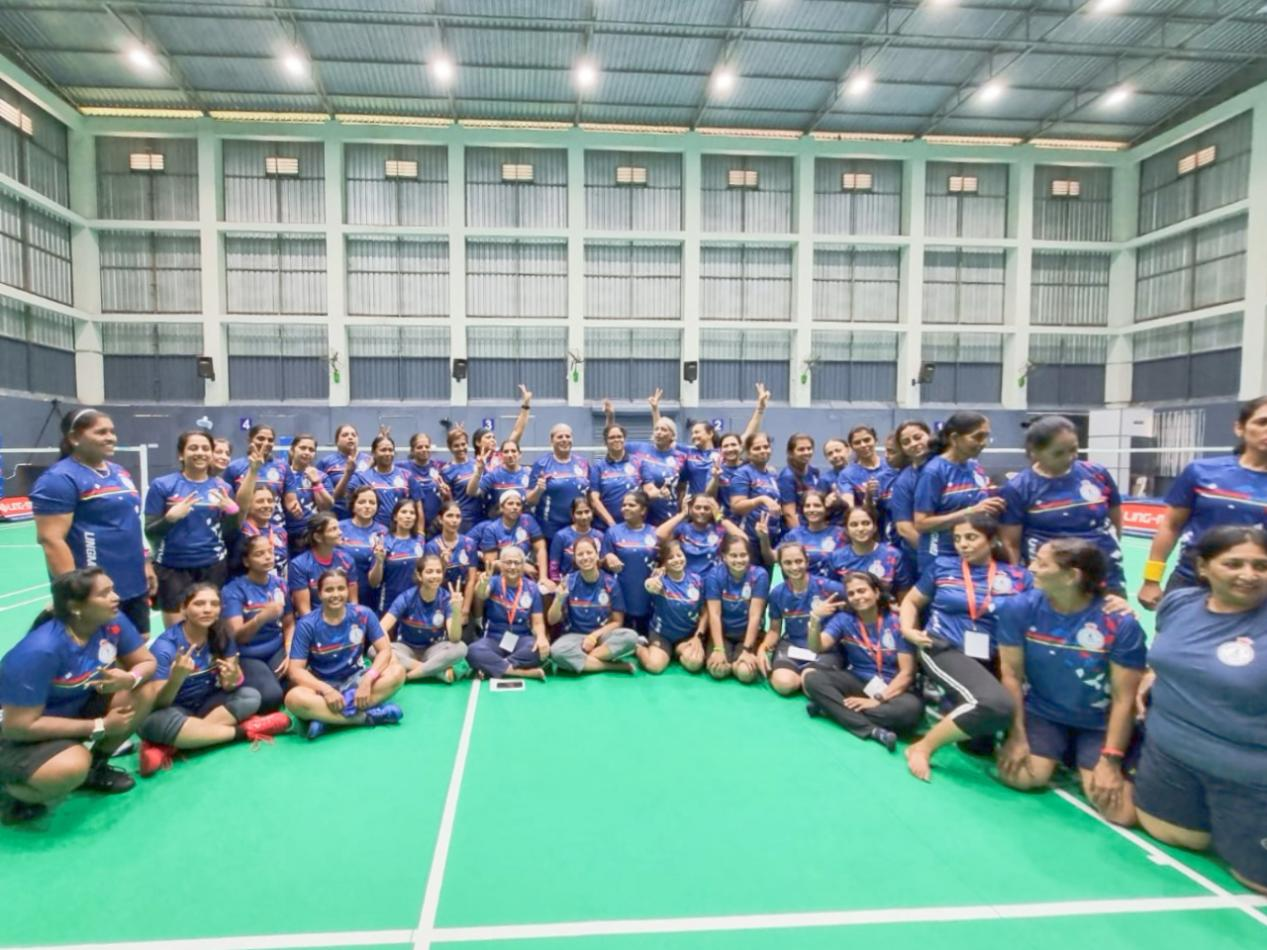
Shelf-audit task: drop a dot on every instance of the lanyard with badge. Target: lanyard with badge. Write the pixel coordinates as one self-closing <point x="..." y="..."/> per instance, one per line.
<point x="875" y="686"/>
<point x="510" y="639"/>
<point x="976" y="643"/>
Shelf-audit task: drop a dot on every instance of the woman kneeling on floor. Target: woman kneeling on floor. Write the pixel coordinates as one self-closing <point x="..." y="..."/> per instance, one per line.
<point x="199" y="694"/>
<point x="427" y="621"/>
<point x="332" y="686"/>
<point x="514" y="641"/>
<point x="871" y="696"/>
<point x="591" y="608"/>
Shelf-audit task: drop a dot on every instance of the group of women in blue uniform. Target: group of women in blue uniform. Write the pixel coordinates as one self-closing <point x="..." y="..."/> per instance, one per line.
<point x="907" y="582"/>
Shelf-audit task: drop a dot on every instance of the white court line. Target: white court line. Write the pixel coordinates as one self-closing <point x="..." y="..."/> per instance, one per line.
<point x="24" y="590"/>
<point x="23" y="603"/>
<point x="440" y="856"/>
<point x="1160" y="857"/>
<point x="352" y="938"/>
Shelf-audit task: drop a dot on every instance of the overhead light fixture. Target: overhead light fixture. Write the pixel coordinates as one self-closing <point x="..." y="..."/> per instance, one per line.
<point x="585" y="75"/>
<point x="992" y="91"/>
<point x="128" y="112"/>
<point x="1117" y="95"/>
<point x="425" y="121"/>
<point x="442" y="69"/>
<point x="248" y="115"/>
<point x="1091" y="145"/>
<point x="723" y="80"/>
<point x="861" y="137"/>
<point x="294" y="64"/>
<point x="1105" y="6"/>
<point x="998" y="141"/>
<point x="141" y="58"/>
<point x="858" y="84"/>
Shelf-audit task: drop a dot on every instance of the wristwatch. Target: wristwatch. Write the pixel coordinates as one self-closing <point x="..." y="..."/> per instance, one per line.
<point x="98" y="729"/>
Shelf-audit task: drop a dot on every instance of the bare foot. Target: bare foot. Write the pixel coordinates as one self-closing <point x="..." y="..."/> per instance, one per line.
<point x="537" y="673"/>
<point x="626" y="667"/>
<point x="918" y="763"/>
<point x="449" y="675"/>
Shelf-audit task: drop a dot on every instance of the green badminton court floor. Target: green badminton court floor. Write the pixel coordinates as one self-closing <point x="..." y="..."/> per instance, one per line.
<point x="608" y="812"/>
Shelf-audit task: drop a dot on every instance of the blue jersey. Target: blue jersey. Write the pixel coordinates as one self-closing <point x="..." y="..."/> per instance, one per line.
<point x="1074" y="505"/>
<point x="565" y="482"/>
<point x="854" y="477"/>
<point x="1209" y="703"/>
<point x="421" y="623"/>
<point x="827" y="485"/>
<point x="735" y="594"/>
<point x="48" y="668"/>
<point x="196" y="540"/>
<point x="902" y="508"/>
<point x="949" y="614"/>
<point x="424" y="486"/>
<point x="332" y="466"/>
<point x="613" y="481"/>
<point x="456" y="475"/>
<point x="1067" y="656"/>
<point x="307" y="568"/>
<point x="398" y="566"/>
<point x="358" y="544"/>
<point x="509" y="609"/>
<point x="675" y="612"/>
<point x="663" y="469"/>
<point x="752" y="482"/>
<point x="389" y="487"/>
<point x="588" y="605"/>
<point x="944" y="487"/>
<point x="276" y="537"/>
<point x="305" y="492"/>
<point x="335" y="653"/>
<point x="868" y="649"/>
<point x="105" y="528"/>
<point x="700" y="545"/>
<point x="523" y="534"/>
<point x="497" y="481"/>
<point x="820" y="546"/>
<point x="202" y="681"/>
<point x="241" y="597"/>
<point x="272" y="475"/>
<point x="794" y="609"/>
<point x="1215" y="491"/>
<point x="793" y="484"/>
<point x="638" y="550"/>
<point x="697" y="467"/>
<point x="563" y="546"/>
<point x="884" y="563"/>
<point x="458" y="557"/>
<point x="725" y="483"/>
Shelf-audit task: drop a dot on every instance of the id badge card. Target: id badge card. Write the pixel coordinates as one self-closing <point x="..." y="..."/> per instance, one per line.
<point x="509" y="641"/>
<point x="875" y="687"/>
<point x="976" y="644"/>
<point x="801" y="655"/>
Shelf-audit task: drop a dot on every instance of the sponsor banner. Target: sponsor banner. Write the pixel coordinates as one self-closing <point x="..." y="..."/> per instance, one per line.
<point x="15" y="508"/>
<point x="1142" y="516"/>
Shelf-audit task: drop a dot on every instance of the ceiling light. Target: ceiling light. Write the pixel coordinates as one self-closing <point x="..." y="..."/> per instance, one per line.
<point x="723" y="80"/>
<point x="141" y="58"/>
<point x="1105" y="6"/>
<point x="585" y="74"/>
<point x="442" y="69"/>
<point x="858" y="84"/>
<point x="1117" y="95"/>
<point x="992" y="90"/>
<point x="294" y="64"/>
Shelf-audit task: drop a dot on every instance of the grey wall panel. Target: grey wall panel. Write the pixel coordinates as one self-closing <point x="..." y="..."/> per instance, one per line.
<point x="745" y="282"/>
<point x="964" y="383"/>
<point x="1216" y="373"/>
<point x="1197" y="268"/>
<point x="1070" y="289"/>
<point x="631" y="379"/>
<point x="1155" y="380"/>
<point x="37" y="159"/>
<point x="655" y="206"/>
<point x="878" y="211"/>
<point x="958" y="214"/>
<point x="964" y="286"/>
<point x="854" y="382"/>
<point x="13" y="364"/>
<point x="252" y="195"/>
<point x="52" y="370"/>
<point x="385" y="379"/>
<point x="493" y="203"/>
<point x="633" y="281"/>
<point x="1085" y="218"/>
<point x="1167" y="196"/>
<point x="856" y="284"/>
<point x="1054" y="387"/>
<point x="765" y="209"/>
<point x="497" y="378"/>
<point x="734" y="380"/>
<point x="125" y="195"/>
<point x="373" y="198"/>
<point x="516" y="279"/>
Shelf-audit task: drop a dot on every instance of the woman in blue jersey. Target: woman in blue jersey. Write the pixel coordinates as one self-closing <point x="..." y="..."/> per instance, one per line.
<point x="360" y="536"/>
<point x="912" y="439"/>
<point x="755" y="490"/>
<point x="514" y="642"/>
<point x="332" y="685"/>
<point x="490" y="480"/>
<point x="221" y="455"/>
<point x="677" y="617"/>
<point x="69" y="695"/>
<point x="868" y="476"/>
<point x="457" y="472"/>
<point x="1073" y="669"/>
<point x="1202" y="777"/>
<point x="735" y="594"/>
<point x="699" y="457"/>
<point x="819" y="537"/>
<point x="613" y="476"/>
<point x="1228" y="489"/>
<point x="513" y="528"/>
<point x="953" y="485"/>
<point x="88" y="514"/>
<point x="389" y="480"/>
<point x="956" y="642"/>
<point x="184" y="520"/>
<point x="399" y="551"/>
<point x="322" y="554"/>
<point x="484" y="441"/>
<point x="258" y="615"/>
<point x="459" y="553"/>
<point x="630" y="550"/>
<point x="338" y="467"/>
<point x="557" y="479"/>
<point x="797" y="477"/>
<point x="258" y="467"/>
<point x="427" y="623"/>
<point x="591" y="611"/>
<point x="1061" y="496"/>
<point x="427" y="485"/>
<point x="724" y="470"/>
<point x="562" y="548"/>
<point x="700" y="528"/>
<point x="871" y="694"/>
<point x="305" y="493"/>
<point x="865" y="554"/>
<point x="791" y="604"/>
<point x="836" y="453"/>
<point x="258" y="522"/>
<point x="198" y="693"/>
<point x="660" y="467"/>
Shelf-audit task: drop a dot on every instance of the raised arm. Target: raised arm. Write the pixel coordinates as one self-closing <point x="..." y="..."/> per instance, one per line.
<point x="525" y="410"/>
<point x="754" y="423"/>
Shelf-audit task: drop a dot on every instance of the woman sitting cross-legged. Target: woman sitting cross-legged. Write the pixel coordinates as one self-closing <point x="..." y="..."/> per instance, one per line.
<point x="1073" y="669"/>
<point x="200" y="696"/>
<point x="871" y="696"/>
<point x="735" y="594"/>
<point x="427" y="621"/>
<point x="332" y="686"/>
<point x="677" y="621"/>
<point x="258" y="616"/>
<point x="592" y="610"/>
<point x="791" y="606"/>
<point x="514" y="641"/>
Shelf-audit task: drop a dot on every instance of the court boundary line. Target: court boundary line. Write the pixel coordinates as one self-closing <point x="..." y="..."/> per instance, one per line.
<point x="43" y="598"/>
<point x="422" y="934"/>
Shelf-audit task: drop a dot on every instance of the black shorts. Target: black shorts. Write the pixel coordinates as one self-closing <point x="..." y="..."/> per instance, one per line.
<point x="668" y="646"/>
<point x="20" y="760"/>
<point x="782" y="661"/>
<point x="1078" y="748"/>
<point x="174" y="581"/>
<point x="1234" y="814"/>
<point x="137" y="609"/>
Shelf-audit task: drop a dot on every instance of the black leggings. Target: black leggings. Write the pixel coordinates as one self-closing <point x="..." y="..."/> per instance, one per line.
<point x="828" y="688"/>
<point x="259" y="675"/>
<point x="985" y="707"/>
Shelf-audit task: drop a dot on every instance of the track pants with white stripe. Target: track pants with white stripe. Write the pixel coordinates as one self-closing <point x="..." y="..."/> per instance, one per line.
<point x="984" y="706"/>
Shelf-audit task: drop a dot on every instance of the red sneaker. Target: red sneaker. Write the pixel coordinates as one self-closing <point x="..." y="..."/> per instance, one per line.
<point x="263" y="728"/>
<point x="155" y="757"/>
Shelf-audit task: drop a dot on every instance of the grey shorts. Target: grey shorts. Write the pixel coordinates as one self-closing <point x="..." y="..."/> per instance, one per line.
<point x="567" y="653"/>
<point x="162" y="726"/>
<point x="781" y="661"/>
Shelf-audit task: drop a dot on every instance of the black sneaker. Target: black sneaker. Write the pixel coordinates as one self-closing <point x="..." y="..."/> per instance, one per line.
<point x="813" y="710"/>
<point x="886" y="737"/>
<point x="19" y="813"/>
<point x="104" y="777"/>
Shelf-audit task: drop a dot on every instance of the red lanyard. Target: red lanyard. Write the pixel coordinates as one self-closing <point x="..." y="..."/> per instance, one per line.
<point x="970" y="590"/>
<point x="877" y="648"/>
<point x="513" y="608"/>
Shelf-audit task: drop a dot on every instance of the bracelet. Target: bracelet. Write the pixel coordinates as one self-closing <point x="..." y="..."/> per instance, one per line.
<point x="1154" y="571"/>
<point x="1108" y="752"/>
<point x="719" y="649"/>
<point x="137" y="679"/>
